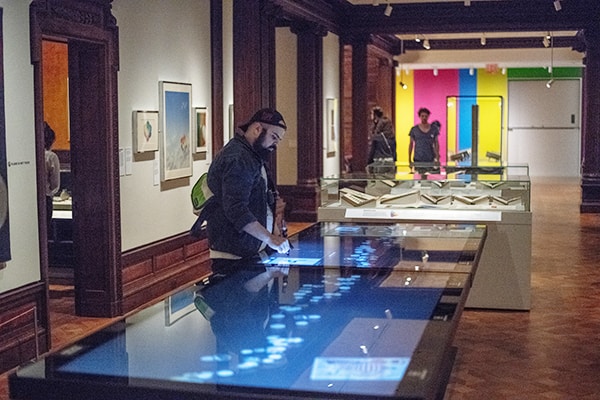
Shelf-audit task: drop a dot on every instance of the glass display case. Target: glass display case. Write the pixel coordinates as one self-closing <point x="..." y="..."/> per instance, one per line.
<point x="446" y="187"/>
<point x="353" y="311"/>
<point x="488" y="193"/>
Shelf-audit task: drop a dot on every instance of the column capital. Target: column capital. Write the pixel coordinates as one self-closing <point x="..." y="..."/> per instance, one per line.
<point x="305" y="27"/>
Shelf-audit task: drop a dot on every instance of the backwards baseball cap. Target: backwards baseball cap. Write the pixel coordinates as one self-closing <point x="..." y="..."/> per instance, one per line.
<point x="267" y="116"/>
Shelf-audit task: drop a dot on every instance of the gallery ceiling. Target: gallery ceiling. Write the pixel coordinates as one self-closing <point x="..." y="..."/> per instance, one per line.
<point x="478" y="47"/>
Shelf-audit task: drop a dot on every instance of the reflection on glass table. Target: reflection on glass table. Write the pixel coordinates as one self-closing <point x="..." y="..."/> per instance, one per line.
<point x="327" y="325"/>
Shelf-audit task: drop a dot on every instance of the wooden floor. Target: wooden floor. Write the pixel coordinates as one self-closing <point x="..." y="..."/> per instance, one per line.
<point x="551" y="352"/>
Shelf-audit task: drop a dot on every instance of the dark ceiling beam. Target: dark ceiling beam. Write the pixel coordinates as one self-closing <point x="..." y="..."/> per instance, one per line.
<point x="327" y="14"/>
<point x="360" y="21"/>
<point x="391" y="44"/>
<point x="321" y="12"/>
<point x="454" y="17"/>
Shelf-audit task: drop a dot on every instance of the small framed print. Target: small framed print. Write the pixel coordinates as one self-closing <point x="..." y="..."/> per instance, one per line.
<point x="145" y="131"/>
<point x="231" y="127"/>
<point x="332" y="126"/>
<point x="202" y="131"/>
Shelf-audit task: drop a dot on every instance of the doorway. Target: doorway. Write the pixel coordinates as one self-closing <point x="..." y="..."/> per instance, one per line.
<point x="544" y="127"/>
<point x="55" y="84"/>
<point x="93" y="146"/>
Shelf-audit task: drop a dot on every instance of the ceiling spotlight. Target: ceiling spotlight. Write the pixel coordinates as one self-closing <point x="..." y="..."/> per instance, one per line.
<point x="471" y="71"/>
<point x="483" y="40"/>
<point x="417" y="38"/>
<point x="546" y="41"/>
<point x="549" y="83"/>
<point x="426" y="44"/>
<point x="435" y="72"/>
<point x="388" y="10"/>
<point x="402" y="84"/>
<point x="557" y="5"/>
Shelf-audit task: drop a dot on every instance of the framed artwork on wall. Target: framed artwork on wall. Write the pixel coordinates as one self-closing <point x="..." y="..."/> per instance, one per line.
<point x="201" y="131"/>
<point x="145" y="131"/>
<point x="4" y="231"/>
<point x="332" y="126"/>
<point x="175" y="127"/>
<point x="231" y="127"/>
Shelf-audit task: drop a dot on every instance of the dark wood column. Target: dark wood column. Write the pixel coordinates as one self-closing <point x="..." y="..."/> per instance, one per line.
<point x="304" y="198"/>
<point x="360" y="95"/>
<point x="216" y="52"/>
<point x="253" y="57"/>
<point x="254" y="61"/>
<point x="590" y="165"/>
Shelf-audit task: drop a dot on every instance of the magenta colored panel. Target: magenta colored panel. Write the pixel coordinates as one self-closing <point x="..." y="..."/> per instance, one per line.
<point x="431" y="92"/>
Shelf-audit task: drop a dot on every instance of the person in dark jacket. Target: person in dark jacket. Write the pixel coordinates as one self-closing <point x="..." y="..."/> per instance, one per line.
<point x="240" y="216"/>
<point x="383" y="139"/>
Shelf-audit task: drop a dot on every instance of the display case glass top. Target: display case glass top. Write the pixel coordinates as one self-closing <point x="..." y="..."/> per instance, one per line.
<point x="353" y="311"/>
<point x="454" y="187"/>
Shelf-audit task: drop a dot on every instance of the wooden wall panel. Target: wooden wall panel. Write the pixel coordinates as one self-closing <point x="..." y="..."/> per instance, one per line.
<point x="137" y="270"/>
<point x="24" y="333"/>
<point x="151" y="271"/>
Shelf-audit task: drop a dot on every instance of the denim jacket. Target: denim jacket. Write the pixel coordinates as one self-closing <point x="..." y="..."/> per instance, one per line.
<point x="240" y="197"/>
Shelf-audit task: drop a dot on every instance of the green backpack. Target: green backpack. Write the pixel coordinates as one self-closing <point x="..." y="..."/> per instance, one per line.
<point x="200" y="193"/>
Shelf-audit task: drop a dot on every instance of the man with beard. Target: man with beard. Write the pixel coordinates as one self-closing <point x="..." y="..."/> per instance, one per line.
<point x="240" y="214"/>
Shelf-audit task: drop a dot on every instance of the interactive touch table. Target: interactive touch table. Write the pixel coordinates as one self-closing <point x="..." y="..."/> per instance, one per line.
<point x="353" y="311"/>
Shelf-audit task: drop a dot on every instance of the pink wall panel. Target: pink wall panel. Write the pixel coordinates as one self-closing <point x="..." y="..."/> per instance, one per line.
<point x="430" y="92"/>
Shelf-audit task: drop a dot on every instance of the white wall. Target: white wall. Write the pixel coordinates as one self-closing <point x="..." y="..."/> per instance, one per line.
<point x="544" y="127"/>
<point x="24" y="267"/>
<point x="286" y="94"/>
<point x="331" y="89"/>
<point x="158" y="42"/>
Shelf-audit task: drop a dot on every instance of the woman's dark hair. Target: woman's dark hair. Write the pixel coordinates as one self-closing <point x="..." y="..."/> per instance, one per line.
<point x="377" y="111"/>
<point x="424" y="110"/>
<point x="49" y="136"/>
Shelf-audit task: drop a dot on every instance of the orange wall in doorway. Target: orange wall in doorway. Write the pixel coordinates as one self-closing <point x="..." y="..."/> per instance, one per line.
<point x="55" y="70"/>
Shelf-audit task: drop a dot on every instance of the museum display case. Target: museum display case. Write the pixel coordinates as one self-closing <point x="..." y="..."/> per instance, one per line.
<point x="490" y="193"/>
<point x="352" y="311"/>
<point x="449" y="187"/>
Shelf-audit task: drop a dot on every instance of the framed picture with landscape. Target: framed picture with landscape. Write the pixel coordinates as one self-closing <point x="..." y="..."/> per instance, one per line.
<point x="175" y="130"/>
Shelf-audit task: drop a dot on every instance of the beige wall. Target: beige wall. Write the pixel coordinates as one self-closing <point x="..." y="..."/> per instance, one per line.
<point x="24" y="267"/>
<point x="158" y="42"/>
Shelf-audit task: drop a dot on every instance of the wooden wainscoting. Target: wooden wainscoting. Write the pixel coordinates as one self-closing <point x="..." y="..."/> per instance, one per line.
<point x="151" y="271"/>
<point x="23" y="325"/>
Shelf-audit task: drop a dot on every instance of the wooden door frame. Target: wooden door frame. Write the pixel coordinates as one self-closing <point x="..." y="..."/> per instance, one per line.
<point x="91" y="29"/>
